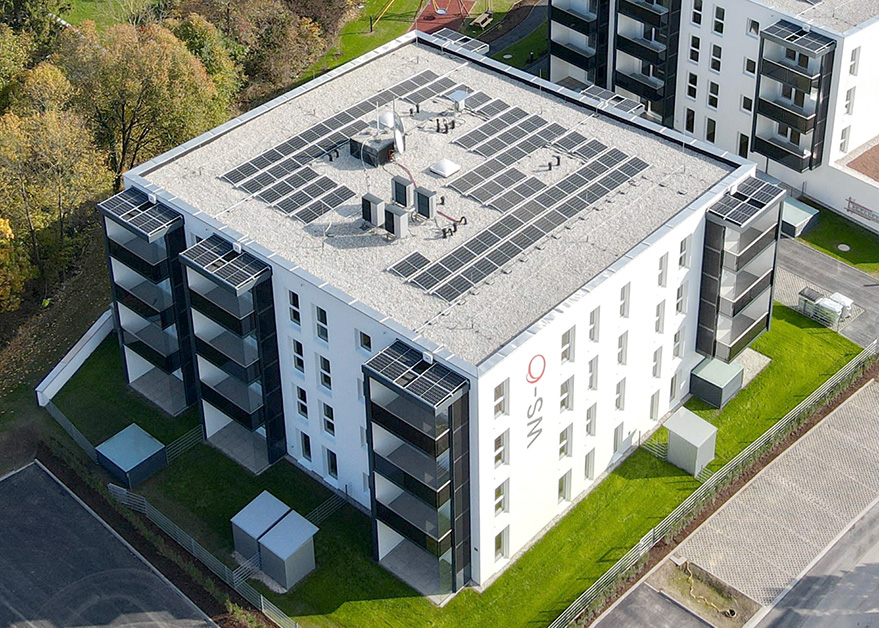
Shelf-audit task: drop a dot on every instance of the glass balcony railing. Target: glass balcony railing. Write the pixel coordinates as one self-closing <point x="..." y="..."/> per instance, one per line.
<point x="231" y="354"/>
<point x="759" y="243"/>
<point x="747" y="289"/>
<point x="645" y="12"/>
<point x="786" y="112"/>
<point x="410" y="432"/>
<point x="237" y="318"/>
<point x="649" y="87"/>
<point x="647" y="50"/>
<point x="416" y="473"/>
<point x="577" y="19"/>
<point x="792" y="75"/>
<point x="783" y="152"/>
<point x="405" y="528"/>
<point x="235" y="399"/>
<point x="140" y="261"/>
<point x="727" y="349"/>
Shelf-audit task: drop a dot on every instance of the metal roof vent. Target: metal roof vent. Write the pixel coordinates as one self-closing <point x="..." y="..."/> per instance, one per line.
<point x="151" y="198"/>
<point x="236" y="247"/>
<point x="445" y="168"/>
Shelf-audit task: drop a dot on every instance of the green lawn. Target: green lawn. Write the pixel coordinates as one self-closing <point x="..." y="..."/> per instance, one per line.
<point x="832" y="230"/>
<point x="500" y="9"/>
<point x="99" y="402"/>
<point x="101" y="12"/>
<point x="537" y="42"/>
<point x="204" y="489"/>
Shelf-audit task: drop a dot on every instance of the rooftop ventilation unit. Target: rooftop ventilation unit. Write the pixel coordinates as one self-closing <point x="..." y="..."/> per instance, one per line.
<point x="445" y="168"/>
<point x="397" y="221"/>
<point x="374" y="150"/>
<point x="425" y="202"/>
<point x="373" y="209"/>
<point x="459" y="97"/>
<point x="402" y="190"/>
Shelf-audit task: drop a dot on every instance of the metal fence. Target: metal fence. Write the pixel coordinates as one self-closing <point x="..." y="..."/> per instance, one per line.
<point x="71" y="430"/>
<point x="193" y="437"/>
<point x="706" y="492"/>
<point x="234" y="578"/>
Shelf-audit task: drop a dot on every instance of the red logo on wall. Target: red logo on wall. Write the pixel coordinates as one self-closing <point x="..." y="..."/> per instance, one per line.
<point x="536" y="368"/>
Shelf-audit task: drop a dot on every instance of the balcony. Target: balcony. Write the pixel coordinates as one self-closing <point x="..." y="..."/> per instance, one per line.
<point x="146" y="260"/>
<point x="235" y="399"/>
<point x="644" y="12"/>
<point x="576" y="19"/>
<point x="792" y="75"/>
<point x="224" y="308"/>
<point x="787" y="113"/>
<point x="748" y="288"/>
<point x="756" y="243"/>
<point x="637" y="83"/>
<point x="408" y="430"/>
<point x="575" y="55"/>
<point x="650" y="51"/>
<point x="416" y="473"/>
<point x="154" y="345"/>
<point x="231" y="354"/>
<point x="727" y="349"/>
<point x="408" y="530"/>
<point x="149" y="301"/>
<point x="428" y="520"/>
<point x="782" y="152"/>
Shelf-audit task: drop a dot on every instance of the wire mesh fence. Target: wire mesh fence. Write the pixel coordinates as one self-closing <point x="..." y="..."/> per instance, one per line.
<point x="234" y="578"/>
<point x="688" y="509"/>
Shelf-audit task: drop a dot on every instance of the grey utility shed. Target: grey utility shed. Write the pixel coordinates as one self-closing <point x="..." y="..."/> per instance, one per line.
<point x="691" y="441"/>
<point x="715" y="382"/>
<point x="287" y="550"/>
<point x="131" y="455"/>
<point x="797" y="217"/>
<point x="254" y="520"/>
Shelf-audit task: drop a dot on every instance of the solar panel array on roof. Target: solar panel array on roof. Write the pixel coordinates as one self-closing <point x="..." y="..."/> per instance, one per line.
<point x="217" y="258"/>
<point x="409" y="265"/>
<point x="325" y="204"/>
<point x="462" y="40"/>
<point x="613" y="99"/>
<point x="749" y="199"/>
<point x="133" y="208"/>
<point x="492" y="108"/>
<point x="570" y="141"/>
<point x="426" y="93"/>
<point x="796" y="35"/>
<point x="513" y="134"/>
<point x="495" y="186"/>
<point x="432" y="382"/>
<point x="491" y="128"/>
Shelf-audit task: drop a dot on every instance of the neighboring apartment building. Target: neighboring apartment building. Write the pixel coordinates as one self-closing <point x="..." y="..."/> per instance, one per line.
<point x="464" y="358"/>
<point x="785" y="83"/>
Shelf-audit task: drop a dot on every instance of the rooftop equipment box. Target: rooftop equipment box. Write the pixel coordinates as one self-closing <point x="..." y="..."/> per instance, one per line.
<point x="373" y="150"/>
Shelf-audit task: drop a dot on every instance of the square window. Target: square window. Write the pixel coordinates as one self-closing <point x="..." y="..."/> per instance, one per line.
<point x="568" y="346"/>
<point x="365" y="341"/>
<point x="298" y="356"/>
<point x="566" y="395"/>
<point x="329" y="420"/>
<point x="332" y="465"/>
<point x="753" y="27"/>
<point x="750" y="66"/>
<point x="501" y="405"/>
<point x="747" y="104"/>
<point x="295" y="314"/>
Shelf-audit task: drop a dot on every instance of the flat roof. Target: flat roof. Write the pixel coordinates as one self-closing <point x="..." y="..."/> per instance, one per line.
<point x="717" y="371"/>
<point x="257" y="517"/>
<point x="837" y="15"/>
<point x="490" y="302"/>
<point x="288" y="535"/>
<point x="129" y="447"/>
<point x="864" y="159"/>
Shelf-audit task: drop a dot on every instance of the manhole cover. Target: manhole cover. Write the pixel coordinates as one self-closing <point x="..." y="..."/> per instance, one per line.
<point x="845" y="248"/>
<point x="508" y="56"/>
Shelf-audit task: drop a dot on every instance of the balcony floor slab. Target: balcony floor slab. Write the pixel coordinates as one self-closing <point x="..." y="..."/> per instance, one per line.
<point x="163" y="390"/>
<point x="418" y="569"/>
<point x="244" y="447"/>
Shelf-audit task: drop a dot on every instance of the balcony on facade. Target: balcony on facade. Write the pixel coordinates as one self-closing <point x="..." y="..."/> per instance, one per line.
<point x="782" y="151"/>
<point x="634" y="81"/>
<point x="234" y="313"/>
<point x="654" y="15"/>
<point x="428" y="527"/>
<point x="737" y="332"/>
<point x="569" y="13"/>
<point x="425" y="476"/>
<point x="784" y="111"/>
<point x="240" y="402"/>
<point x="153" y="344"/>
<point x="787" y="73"/>
<point x="230" y="353"/>
<point x="647" y="50"/>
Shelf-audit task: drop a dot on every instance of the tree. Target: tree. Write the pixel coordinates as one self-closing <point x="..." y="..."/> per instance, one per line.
<point x="40" y="18"/>
<point x="15" y="269"/>
<point x="40" y="89"/>
<point x="206" y="42"/>
<point x="141" y="90"/>
<point x="15" y="52"/>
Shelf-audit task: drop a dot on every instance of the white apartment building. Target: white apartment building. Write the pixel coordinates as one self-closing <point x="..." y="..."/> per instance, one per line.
<point x="453" y="291"/>
<point x="785" y="83"/>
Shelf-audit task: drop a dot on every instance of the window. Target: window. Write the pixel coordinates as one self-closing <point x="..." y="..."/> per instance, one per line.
<point x="659" y="325"/>
<point x="793" y="95"/>
<point x="678" y="347"/>
<point x="716" y="53"/>
<point x="501" y="455"/>
<point x="855" y="61"/>
<point x="710" y="130"/>
<point x="301" y="402"/>
<point x="501" y="544"/>
<point x="663" y="270"/>
<point x="332" y="465"/>
<point x="744" y="145"/>
<point x="654" y="406"/>
<point x="747" y="103"/>
<point x="620" y="402"/>
<point x="365" y="482"/>
<point x="694" y="48"/>
<point x="329" y="420"/>
<point x="850" y="101"/>
<point x="684" y="255"/>
<point x="295" y="314"/>
<point x="590" y="465"/>
<point x="624" y="300"/>
<point x="568" y="346"/>
<point x="565" y="487"/>
<point x="657" y="362"/>
<point x="692" y="85"/>
<point x="788" y="133"/>
<point x="593" y="373"/>
<point x="365" y="341"/>
<point x="753" y="27"/>
<point x="323" y="330"/>
<point x="719" y="16"/>
<point x="363" y="438"/>
<point x="681" y="299"/>
<point x="298" y="356"/>
<point x="750" y="66"/>
<point x="673" y="393"/>
<point x="591" y="416"/>
<point x="697" y="12"/>
<point x="843" y="139"/>
<point x="594" y="316"/>
<point x="501" y="392"/>
<point x="690" y="124"/>
<point x="500" y="498"/>
<point x="325" y="378"/>
<point x="622" y="348"/>
<point x="565" y="442"/>
<point x="305" y="441"/>
<point x="713" y="94"/>
<point x="566" y="395"/>
<point x="618" y="438"/>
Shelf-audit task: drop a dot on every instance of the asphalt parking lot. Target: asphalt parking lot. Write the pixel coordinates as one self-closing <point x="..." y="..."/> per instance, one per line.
<point x="61" y="567"/>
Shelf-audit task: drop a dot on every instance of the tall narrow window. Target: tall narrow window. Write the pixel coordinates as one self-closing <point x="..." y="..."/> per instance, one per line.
<point x="326" y="379"/>
<point x="716" y="54"/>
<point x="750" y="66"/>
<point x="710" y="130"/>
<point x="565" y="487"/>
<point x="662" y="276"/>
<point x="744" y="145"/>
<point x="501" y="446"/>
<point x="678" y="348"/>
<point x="298" y="356"/>
<point x="690" y="122"/>
<point x="566" y="395"/>
<point x="301" y="402"/>
<point x="593" y="373"/>
<point x="323" y="329"/>
<point x="681" y="299"/>
<point x="295" y="314"/>
<point x="843" y="139"/>
<point x="618" y="438"/>
<point x="697" y="12"/>
<point x="565" y="447"/>
<point x="590" y="465"/>
<point x="854" y="61"/>
<point x="332" y="465"/>
<point x="850" y="101"/>
<point x="594" y="319"/>
<point x="654" y="406"/>
<point x="501" y="391"/>
<point x="684" y="255"/>
<point x="591" y="417"/>
<point x="659" y="325"/>
<point x="501" y="544"/>
<point x="692" y="85"/>
<point x="675" y="386"/>
<point x="623" y="348"/>
<point x="694" y="48"/>
<point x="329" y="420"/>
<point x="500" y="498"/>
<point x="365" y="341"/>
<point x="305" y="441"/>
<point x="657" y="362"/>
<point x="621" y="394"/>
<point x="568" y="346"/>
<point x="713" y="94"/>
<point x="719" y="17"/>
<point x="624" y="300"/>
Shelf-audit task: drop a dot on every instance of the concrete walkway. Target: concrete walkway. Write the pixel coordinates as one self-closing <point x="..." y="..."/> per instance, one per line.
<point x="538" y="16"/>
<point x="832" y="276"/>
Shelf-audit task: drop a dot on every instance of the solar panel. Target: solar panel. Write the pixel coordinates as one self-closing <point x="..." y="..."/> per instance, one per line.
<point x="324" y="205"/>
<point x="590" y="149"/>
<point x="510" y="136"/>
<point x="570" y="141"/>
<point x="304" y="196"/>
<point x="432" y="382"/>
<point x="217" y="258"/>
<point x="493" y="108"/>
<point x="429" y="91"/>
<point x="495" y="186"/>
<point x="133" y="208"/>
<point x="409" y="265"/>
<point x="477" y="100"/>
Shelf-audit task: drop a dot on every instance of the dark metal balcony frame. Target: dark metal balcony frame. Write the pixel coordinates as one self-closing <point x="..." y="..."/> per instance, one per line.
<point x="650" y="51"/>
<point x="645" y="12"/>
<point x="790" y="75"/>
<point x="787" y="113"/>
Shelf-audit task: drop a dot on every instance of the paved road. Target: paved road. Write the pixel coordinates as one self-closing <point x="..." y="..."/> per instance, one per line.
<point x="842" y="589"/>
<point x="832" y="275"/>
<point x="537" y="17"/>
<point x="646" y="608"/>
